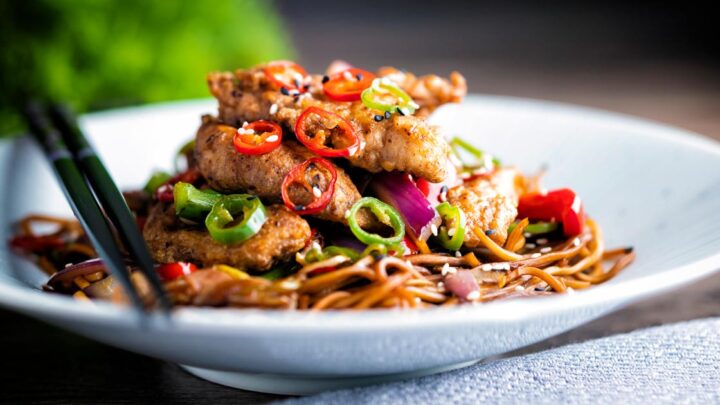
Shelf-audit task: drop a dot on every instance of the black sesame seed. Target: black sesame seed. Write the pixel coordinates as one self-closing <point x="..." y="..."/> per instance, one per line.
<point x="359" y="76"/>
<point x="490" y="232"/>
<point x="284" y="91"/>
<point x="377" y="258"/>
<point x="444" y="189"/>
<point x="387" y="115"/>
<point x="379" y="118"/>
<point x="299" y="208"/>
<point x="297" y="83"/>
<point x="252" y="197"/>
<point x="306" y="87"/>
<point x="401" y="112"/>
<point x="325" y="79"/>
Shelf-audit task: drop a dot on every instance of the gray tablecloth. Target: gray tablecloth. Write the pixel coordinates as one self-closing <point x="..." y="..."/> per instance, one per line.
<point x="678" y="363"/>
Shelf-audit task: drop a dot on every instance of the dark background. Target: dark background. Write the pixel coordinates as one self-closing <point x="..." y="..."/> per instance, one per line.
<point x="656" y="60"/>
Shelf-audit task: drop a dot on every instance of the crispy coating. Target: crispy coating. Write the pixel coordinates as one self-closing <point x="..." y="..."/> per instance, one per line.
<point x="404" y="143"/>
<point x="283" y="234"/>
<point x="430" y="91"/>
<point x="228" y="171"/>
<point x="489" y="202"/>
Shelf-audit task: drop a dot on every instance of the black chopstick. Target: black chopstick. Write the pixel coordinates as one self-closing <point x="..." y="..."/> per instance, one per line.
<point x="109" y="196"/>
<point x="80" y="197"/>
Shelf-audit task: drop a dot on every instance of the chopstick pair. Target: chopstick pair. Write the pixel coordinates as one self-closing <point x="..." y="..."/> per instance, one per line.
<point x="83" y="177"/>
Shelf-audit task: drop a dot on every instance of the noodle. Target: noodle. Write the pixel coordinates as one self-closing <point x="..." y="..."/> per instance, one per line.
<point x="336" y="283"/>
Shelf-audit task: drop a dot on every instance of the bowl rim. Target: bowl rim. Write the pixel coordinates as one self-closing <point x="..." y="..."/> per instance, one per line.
<point x="34" y="302"/>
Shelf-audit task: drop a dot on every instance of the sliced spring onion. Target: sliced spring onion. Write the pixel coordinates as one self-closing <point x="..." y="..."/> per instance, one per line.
<point x="385" y="214"/>
<point x="454" y="218"/>
<point x="194" y="204"/>
<point x="536" y="228"/>
<point x="482" y="158"/>
<point x="375" y="97"/>
<point x="236" y="218"/>
<point x="156" y="180"/>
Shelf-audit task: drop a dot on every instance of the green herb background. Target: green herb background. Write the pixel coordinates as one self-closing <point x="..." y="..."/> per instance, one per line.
<point x="98" y="54"/>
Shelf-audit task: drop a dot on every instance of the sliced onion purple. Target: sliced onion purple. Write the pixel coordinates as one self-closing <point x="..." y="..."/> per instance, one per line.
<point x="68" y="274"/>
<point x="398" y="190"/>
<point x="463" y="284"/>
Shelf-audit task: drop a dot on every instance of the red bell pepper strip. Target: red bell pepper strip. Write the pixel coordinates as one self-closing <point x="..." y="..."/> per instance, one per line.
<point x="330" y="127"/>
<point x="561" y="205"/>
<point x="299" y="175"/>
<point x="348" y="84"/>
<point x="172" y="271"/>
<point x="257" y="138"/>
<point x="287" y="75"/>
<point x="36" y="244"/>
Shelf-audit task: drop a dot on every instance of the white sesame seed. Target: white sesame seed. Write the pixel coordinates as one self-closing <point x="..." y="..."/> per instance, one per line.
<point x="272" y="138"/>
<point x="451" y="232"/>
<point x="445" y="269"/>
<point x="245" y="124"/>
<point x="498" y="266"/>
<point x="519" y="288"/>
<point x="486" y="267"/>
<point x="542" y="241"/>
<point x="441" y="286"/>
<point x="546" y="249"/>
<point x="530" y="245"/>
<point x="418" y="300"/>
<point x="347" y="75"/>
<point x="535" y="255"/>
<point x="433" y="229"/>
<point x="458" y="254"/>
<point x="316" y="192"/>
<point x="68" y="265"/>
<point x="347" y="213"/>
<point x="473" y="296"/>
<point x="576" y="242"/>
<point x="273" y="109"/>
<point x="527" y="235"/>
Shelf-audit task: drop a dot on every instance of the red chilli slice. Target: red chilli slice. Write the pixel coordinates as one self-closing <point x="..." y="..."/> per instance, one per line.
<point x="287" y="75"/>
<point x="298" y="176"/>
<point x="348" y="84"/>
<point x="258" y="138"/>
<point x="316" y="143"/>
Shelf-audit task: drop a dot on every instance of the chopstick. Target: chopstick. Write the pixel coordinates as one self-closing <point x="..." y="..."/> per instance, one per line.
<point x="82" y="201"/>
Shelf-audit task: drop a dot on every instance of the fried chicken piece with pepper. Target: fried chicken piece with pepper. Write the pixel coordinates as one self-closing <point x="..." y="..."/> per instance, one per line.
<point x="386" y="143"/>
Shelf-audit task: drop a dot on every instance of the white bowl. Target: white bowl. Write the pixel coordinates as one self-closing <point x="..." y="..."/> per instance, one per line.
<point x="650" y="186"/>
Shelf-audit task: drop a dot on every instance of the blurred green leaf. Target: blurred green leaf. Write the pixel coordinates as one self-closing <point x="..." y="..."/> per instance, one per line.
<point x="98" y="54"/>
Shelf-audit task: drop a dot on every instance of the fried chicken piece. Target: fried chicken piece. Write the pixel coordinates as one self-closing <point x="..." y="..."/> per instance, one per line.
<point x="404" y="143"/>
<point x="489" y="203"/>
<point x="170" y="240"/>
<point x="429" y="91"/>
<point x="228" y="171"/>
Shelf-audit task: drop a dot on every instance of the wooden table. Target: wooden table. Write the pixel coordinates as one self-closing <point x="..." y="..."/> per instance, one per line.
<point x="42" y="363"/>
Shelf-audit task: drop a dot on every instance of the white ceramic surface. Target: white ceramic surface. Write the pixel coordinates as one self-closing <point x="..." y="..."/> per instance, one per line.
<point x="651" y="186"/>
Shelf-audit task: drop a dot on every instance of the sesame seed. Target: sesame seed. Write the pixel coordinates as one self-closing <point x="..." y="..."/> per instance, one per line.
<point x="359" y="76"/>
<point x="347" y="75"/>
<point x="530" y="245"/>
<point x="498" y="266"/>
<point x="379" y="118"/>
<point x="316" y="192"/>
<point x="527" y="235"/>
<point x="535" y="255"/>
<point x="402" y="111"/>
<point x="445" y="269"/>
<point x="458" y="254"/>
<point x="486" y="267"/>
<point x="441" y="286"/>
<point x="299" y="207"/>
<point x="546" y="249"/>
<point x="451" y="232"/>
<point x="387" y="115"/>
<point x="272" y="138"/>
<point x="473" y="295"/>
<point x="490" y="232"/>
<point x="284" y="91"/>
<point x="542" y="241"/>
<point x="68" y="265"/>
<point x="519" y="288"/>
<point x="273" y="109"/>
<point x="576" y="243"/>
<point x="347" y="213"/>
<point x="433" y="229"/>
<point x="325" y="79"/>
